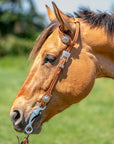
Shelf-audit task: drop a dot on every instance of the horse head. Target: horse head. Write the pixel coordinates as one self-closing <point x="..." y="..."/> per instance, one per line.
<point x="75" y="80"/>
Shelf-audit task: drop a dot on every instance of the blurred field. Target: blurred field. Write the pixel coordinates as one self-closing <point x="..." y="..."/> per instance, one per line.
<point x="89" y="122"/>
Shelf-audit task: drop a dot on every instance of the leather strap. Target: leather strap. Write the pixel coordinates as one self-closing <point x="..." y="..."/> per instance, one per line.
<point x="62" y="62"/>
<point x="25" y="141"/>
<point x="70" y="43"/>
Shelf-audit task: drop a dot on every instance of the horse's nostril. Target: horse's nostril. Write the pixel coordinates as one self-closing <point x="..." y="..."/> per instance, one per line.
<point x="16" y="117"/>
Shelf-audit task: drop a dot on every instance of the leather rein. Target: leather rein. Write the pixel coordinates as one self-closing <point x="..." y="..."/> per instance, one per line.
<point x="69" y="42"/>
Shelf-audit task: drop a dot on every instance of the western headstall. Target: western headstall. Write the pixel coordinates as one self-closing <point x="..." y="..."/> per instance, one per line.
<point x="67" y="40"/>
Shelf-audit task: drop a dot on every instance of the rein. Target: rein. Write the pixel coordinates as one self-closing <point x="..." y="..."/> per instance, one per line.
<point x="67" y="40"/>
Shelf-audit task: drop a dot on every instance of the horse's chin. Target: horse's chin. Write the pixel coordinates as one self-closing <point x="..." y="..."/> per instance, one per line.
<point x="36" y="124"/>
<point x="37" y="130"/>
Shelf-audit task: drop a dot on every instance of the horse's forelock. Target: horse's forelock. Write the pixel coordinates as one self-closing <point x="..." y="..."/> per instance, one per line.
<point x="41" y="39"/>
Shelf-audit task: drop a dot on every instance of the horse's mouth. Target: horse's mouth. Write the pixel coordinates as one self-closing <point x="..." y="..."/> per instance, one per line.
<point x="36" y="124"/>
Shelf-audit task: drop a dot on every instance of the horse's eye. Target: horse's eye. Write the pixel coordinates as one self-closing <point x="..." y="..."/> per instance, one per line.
<point x="49" y="58"/>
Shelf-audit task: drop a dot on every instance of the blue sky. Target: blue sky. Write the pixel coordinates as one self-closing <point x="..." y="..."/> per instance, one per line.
<point x="70" y="6"/>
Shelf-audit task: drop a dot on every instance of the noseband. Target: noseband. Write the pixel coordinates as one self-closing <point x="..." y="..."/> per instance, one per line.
<point x="67" y="40"/>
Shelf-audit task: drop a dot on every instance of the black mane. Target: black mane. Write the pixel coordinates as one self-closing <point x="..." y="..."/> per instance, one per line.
<point x="94" y="19"/>
<point x="98" y="19"/>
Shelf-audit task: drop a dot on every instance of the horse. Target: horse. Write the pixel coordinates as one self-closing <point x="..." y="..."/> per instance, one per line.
<point x="69" y="55"/>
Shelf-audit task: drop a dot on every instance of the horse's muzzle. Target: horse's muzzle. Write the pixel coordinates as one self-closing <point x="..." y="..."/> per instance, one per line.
<point x="17" y="119"/>
<point x="19" y="123"/>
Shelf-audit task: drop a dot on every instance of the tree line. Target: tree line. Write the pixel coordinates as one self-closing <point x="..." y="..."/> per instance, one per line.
<point x="20" y="22"/>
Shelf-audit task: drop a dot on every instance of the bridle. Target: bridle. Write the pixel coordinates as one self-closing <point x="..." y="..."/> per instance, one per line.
<point x="67" y="40"/>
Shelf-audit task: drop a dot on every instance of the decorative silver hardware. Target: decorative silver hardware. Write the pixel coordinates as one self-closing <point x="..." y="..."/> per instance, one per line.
<point x="29" y="128"/>
<point x="46" y="98"/>
<point x="66" y="55"/>
<point x="61" y="66"/>
<point x="65" y="39"/>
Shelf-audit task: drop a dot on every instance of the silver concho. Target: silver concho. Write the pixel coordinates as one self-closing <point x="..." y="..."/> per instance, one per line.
<point x="65" y="39"/>
<point x="46" y="98"/>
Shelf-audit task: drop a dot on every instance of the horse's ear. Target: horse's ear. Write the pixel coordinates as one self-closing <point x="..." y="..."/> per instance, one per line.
<point x="51" y="15"/>
<point x="65" y="22"/>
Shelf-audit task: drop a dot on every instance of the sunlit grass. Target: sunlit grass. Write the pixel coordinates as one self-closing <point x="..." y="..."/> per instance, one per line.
<point x="89" y="122"/>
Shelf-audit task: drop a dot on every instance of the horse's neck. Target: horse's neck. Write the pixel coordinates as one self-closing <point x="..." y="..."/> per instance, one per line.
<point x="105" y="56"/>
<point x="103" y="49"/>
<point x="105" y="64"/>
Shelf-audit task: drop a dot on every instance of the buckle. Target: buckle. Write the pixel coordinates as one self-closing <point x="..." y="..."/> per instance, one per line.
<point x="66" y="55"/>
<point x="61" y="66"/>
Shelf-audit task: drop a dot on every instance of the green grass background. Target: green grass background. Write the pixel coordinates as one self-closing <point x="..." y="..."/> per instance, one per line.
<point x="89" y="122"/>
